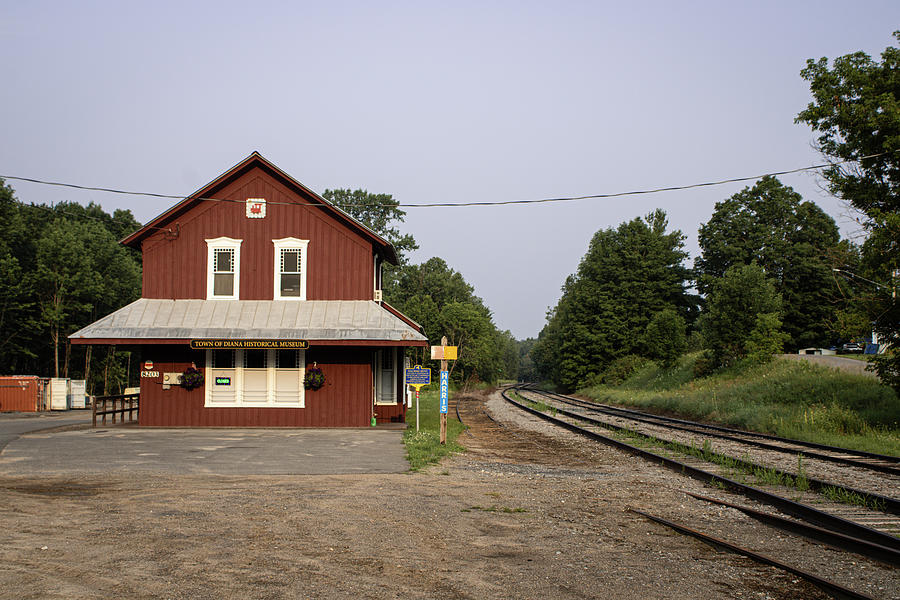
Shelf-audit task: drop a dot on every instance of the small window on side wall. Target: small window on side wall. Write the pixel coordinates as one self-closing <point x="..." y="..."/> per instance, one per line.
<point x="223" y="269"/>
<point x="290" y="269"/>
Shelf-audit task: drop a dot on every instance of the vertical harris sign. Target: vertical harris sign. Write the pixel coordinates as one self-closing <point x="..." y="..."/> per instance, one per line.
<point x="444" y="353"/>
<point x="445" y="390"/>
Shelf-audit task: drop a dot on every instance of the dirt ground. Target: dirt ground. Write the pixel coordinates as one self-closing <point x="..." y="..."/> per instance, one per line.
<point x="522" y="514"/>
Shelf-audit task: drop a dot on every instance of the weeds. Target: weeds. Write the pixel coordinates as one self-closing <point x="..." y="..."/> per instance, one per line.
<point x="424" y="448"/>
<point x="801" y="482"/>
<point x="540" y="406"/>
<point x="735" y="468"/>
<point x="836" y="494"/>
<point x="787" y="398"/>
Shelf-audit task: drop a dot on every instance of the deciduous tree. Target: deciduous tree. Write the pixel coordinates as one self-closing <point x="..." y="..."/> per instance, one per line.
<point x="742" y="316"/>
<point x="856" y="111"/>
<point x="791" y="239"/>
<point x="664" y="338"/>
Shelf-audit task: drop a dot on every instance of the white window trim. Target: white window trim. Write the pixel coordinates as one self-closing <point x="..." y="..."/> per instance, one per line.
<point x="239" y="384"/>
<point x="380" y="375"/>
<point x="222" y="243"/>
<point x="289" y="243"/>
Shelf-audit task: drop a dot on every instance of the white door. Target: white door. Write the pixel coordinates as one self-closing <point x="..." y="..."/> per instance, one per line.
<point x="255" y="376"/>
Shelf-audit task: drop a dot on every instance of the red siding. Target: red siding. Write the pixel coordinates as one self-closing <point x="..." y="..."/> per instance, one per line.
<point x="339" y="261"/>
<point x="20" y="394"/>
<point x="344" y="401"/>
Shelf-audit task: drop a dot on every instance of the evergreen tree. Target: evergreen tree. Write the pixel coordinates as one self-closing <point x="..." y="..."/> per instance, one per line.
<point x="628" y="275"/>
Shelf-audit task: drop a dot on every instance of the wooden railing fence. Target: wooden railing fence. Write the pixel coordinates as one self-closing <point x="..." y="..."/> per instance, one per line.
<point x="117" y="405"/>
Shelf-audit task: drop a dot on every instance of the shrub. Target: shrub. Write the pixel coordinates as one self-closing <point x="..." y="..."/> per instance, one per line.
<point x="620" y="369"/>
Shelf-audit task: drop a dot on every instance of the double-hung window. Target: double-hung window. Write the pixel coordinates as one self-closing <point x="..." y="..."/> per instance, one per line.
<point x="223" y="278"/>
<point x="290" y="269"/>
<point x="385" y="376"/>
<point x="255" y="378"/>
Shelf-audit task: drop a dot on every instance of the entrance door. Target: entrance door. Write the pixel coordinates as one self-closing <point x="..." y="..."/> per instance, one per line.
<point x="255" y="375"/>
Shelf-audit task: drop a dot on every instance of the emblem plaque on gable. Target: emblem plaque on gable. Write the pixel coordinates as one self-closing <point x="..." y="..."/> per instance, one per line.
<point x="256" y="208"/>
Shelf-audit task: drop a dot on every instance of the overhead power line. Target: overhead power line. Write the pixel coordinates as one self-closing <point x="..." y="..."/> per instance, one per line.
<point x="483" y="203"/>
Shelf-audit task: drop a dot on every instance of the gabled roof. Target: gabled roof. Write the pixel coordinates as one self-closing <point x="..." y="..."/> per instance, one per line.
<point x="152" y="320"/>
<point x="256" y="160"/>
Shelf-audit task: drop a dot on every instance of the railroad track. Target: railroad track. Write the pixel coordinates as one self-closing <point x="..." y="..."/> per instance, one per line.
<point x="855" y="458"/>
<point x="849" y="481"/>
<point x="861" y="530"/>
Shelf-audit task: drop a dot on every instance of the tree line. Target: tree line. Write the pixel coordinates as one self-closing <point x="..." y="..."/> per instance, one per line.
<point x="62" y="268"/>
<point x="435" y="296"/>
<point x="773" y="273"/>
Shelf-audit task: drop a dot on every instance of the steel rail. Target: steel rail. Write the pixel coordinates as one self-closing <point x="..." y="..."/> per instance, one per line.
<point x="801" y="511"/>
<point x="486" y="413"/>
<point x="891" y="505"/>
<point x="736" y="436"/>
<point x="862" y="453"/>
<point x="837" y="540"/>
<point x="836" y="590"/>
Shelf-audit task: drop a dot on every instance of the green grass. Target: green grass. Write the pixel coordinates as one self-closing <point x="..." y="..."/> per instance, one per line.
<point x="786" y="398"/>
<point x="424" y="448"/>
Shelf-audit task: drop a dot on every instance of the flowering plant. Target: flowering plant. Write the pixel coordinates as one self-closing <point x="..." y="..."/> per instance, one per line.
<point x="191" y="378"/>
<point x="314" y="378"/>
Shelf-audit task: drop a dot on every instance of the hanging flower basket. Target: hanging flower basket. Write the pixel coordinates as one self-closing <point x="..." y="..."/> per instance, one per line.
<point x="191" y="378"/>
<point x="314" y="378"/>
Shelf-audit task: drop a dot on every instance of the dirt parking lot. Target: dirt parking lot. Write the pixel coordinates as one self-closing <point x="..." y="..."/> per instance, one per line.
<point x="520" y="515"/>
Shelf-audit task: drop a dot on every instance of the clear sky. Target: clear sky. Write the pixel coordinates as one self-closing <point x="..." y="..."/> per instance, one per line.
<point x="430" y="102"/>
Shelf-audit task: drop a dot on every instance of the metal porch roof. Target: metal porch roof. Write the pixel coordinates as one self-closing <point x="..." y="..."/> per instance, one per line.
<point x="313" y="320"/>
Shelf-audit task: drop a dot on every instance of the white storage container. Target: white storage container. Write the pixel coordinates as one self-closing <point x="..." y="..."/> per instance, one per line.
<point x="57" y="393"/>
<point x="76" y="393"/>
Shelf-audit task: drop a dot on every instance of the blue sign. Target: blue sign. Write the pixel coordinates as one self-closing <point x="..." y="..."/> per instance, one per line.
<point x="445" y="390"/>
<point x="418" y="376"/>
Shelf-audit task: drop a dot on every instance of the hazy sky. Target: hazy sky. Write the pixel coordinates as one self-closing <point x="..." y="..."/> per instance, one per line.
<point x="430" y="102"/>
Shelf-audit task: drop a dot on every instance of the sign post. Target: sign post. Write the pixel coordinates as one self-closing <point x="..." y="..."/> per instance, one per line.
<point x="444" y="353"/>
<point x="418" y="378"/>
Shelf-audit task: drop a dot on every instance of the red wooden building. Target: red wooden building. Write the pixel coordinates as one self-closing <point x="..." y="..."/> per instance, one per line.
<point x="254" y="279"/>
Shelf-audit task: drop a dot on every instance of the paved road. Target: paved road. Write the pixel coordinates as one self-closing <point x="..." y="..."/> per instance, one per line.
<point x="206" y="451"/>
<point x="12" y="425"/>
<point x="849" y="365"/>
